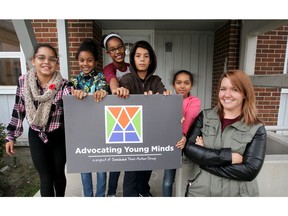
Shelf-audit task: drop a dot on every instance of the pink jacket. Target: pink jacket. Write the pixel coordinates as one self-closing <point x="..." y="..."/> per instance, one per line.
<point x="191" y="109"/>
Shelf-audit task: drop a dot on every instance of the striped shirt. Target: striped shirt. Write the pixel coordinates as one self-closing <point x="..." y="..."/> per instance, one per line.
<point x="56" y="116"/>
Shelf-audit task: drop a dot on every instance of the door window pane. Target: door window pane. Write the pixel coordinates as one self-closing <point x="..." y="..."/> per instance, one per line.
<point x="10" y="54"/>
<point x="128" y="47"/>
<point x="10" y="70"/>
<point x="8" y="38"/>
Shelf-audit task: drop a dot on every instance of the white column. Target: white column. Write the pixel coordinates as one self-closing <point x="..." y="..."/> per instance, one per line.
<point x="26" y="36"/>
<point x="63" y="48"/>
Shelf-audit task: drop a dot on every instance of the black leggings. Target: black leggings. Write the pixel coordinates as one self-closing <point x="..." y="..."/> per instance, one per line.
<point x="49" y="160"/>
<point x="136" y="183"/>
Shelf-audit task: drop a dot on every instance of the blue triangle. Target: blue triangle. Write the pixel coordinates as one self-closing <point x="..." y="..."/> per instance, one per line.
<point x="130" y="128"/>
<point x="118" y="128"/>
<point x="116" y="137"/>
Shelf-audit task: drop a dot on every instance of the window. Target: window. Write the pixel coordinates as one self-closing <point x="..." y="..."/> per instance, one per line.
<point x="12" y="59"/>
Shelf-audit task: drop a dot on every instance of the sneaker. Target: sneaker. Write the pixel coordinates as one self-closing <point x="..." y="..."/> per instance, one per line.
<point x="112" y="195"/>
<point x="146" y="195"/>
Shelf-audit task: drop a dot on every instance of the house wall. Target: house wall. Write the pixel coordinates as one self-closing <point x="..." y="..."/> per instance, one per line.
<point x="78" y="30"/>
<point x="271" y="48"/>
<point x="270" y="59"/>
<point x="226" y="53"/>
<point x="190" y="50"/>
<point x="46" y="32"/>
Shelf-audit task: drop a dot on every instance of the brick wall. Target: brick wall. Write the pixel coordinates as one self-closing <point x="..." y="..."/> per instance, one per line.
<point x="78" y="30"/>
<point x="270" y="58"/>
<point x="226" y="49"/>
<point x="46" y="32"/>
<point x="97" y="35"/>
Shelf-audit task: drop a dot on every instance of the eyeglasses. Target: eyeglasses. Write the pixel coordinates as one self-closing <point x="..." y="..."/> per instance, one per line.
<point x="113" y="50"/>
<point x="43" y="58"/>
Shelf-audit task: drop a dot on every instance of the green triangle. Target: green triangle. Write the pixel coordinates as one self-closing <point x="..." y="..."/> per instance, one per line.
<point x="137" y="123"/>
<point x="110" y="124"/>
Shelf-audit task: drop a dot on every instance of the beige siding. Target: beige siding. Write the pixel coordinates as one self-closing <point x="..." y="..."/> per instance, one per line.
<point x="192" y="51"/>
<point x="7" y="102"/>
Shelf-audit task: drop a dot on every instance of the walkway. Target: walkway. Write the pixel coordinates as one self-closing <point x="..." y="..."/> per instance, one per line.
<point x="74" y="185"/>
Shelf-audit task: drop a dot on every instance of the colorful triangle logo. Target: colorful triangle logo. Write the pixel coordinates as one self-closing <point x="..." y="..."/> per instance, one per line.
<point x="123" y="124"/>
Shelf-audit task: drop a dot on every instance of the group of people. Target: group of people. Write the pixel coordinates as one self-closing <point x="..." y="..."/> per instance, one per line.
<point x="226" y="144"/>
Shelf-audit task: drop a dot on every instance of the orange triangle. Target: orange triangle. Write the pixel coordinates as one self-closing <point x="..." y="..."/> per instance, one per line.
<point x="131" y="111"/>
<point x="124" y="119"/>
<point x="115" y="111"/>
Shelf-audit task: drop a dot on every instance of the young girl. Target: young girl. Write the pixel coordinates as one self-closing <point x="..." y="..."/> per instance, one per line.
<point x="90" y="81"/>
<point x="141" y="80"/>
<point x="39" y="98"/>
<point x="230" y="149"/>
<point x="182" y="83"/>
<point x="113" y="72"/>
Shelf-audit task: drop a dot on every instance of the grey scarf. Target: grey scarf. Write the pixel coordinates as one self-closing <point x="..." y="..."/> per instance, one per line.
<point x="39" y="117"/>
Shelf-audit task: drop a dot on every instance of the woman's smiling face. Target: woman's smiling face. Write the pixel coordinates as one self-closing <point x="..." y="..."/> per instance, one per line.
<point x="230" y="98"/>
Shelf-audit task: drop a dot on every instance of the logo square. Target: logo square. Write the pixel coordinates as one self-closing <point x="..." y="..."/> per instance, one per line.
<point x="124" y="124"/>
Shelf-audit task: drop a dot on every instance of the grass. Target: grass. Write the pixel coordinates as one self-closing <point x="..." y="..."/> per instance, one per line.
<point x="21" y="178"/>
<point x="20" y="181"/>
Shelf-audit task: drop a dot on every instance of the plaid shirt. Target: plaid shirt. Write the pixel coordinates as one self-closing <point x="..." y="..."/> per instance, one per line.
<point x="56" y="116"/>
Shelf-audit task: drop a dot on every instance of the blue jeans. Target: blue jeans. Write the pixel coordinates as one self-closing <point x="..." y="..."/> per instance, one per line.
<point x="168" y="181"/>
<point x="87" y="183"/>
<point x="113" y="183"/>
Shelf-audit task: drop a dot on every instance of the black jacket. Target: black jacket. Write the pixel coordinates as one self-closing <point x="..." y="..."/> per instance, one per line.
<point x="218" y="161"/>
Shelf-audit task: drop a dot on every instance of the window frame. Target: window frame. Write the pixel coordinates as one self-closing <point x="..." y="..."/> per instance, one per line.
<point x="10" y="89"/>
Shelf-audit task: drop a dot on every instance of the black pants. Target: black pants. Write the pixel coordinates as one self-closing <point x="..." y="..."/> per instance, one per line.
<point x="113" y="183"/>
<point x="136" y="183"/>
<point x="49" y="160"/>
